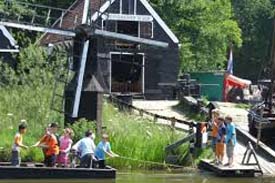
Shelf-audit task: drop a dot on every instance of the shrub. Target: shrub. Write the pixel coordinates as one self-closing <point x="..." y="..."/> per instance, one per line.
<point x="80" y="127"/>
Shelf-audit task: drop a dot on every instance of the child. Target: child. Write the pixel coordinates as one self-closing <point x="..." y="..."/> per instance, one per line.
<point x="85" y="147"/>
<point x="215" y="116"/>
<point x="230" y="140"/>
<point x="102" y="148"/>
<point x="65" y="147"/>
<point x="49" y="143"/>
<point x="220" y="141"/>
<point x="18" y="144"/>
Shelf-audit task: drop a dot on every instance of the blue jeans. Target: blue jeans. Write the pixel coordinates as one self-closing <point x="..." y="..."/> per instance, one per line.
<point x="50" y="161"/>
<point x="15" y="158"/>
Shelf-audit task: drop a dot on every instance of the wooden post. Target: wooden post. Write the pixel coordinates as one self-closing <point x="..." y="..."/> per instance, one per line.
<point x="99" y="113"/>
<point x="141" y="113"/>
<point x="61" y="19"/>
<point x="155" y="118"/>
<point x="259" y="134"/>
<point x="173" y="122"/>
<point x="48" y="16"/>
<point x="33" y="16"/>
<point x="272" y="87"/>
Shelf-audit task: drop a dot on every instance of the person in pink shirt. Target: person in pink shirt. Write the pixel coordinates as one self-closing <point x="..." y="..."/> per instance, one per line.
<point x="65" y="147"/>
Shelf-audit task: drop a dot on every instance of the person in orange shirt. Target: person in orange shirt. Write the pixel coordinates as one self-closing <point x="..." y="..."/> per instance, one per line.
<point x="215" y="116"/>
<point x="49" y="143"/>
<point x="18" y="144"/>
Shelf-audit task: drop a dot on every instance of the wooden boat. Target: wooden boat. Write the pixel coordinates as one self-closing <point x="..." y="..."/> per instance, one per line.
<point x="38" y="171"/>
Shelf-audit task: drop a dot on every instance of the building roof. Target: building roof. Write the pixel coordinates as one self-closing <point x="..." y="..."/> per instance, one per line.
<point x="69" y="20"/>
<point x="160" y="21"/>
<point x="7" y="42"/>
<point x="149" y="8"/>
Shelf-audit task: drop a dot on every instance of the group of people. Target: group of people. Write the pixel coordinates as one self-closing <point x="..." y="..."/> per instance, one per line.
<point x="224" y="138"/>
<point x="57" y="149"/>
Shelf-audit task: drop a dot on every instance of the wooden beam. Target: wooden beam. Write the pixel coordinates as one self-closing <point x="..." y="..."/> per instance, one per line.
<point x="38" y="29"/>
<point x="124" y="37"/>
<point x="9" y="51"/>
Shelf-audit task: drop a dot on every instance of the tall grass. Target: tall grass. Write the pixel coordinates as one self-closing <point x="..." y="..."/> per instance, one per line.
<point x="131" y="136"/>
<point x="138" y="138"/>
<point x="30" y="104"/>
<point x="25" y="93"/>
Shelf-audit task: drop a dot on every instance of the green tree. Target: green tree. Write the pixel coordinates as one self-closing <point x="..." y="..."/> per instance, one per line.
<point x="255" y="19"/>
<point x="205" y="28"/>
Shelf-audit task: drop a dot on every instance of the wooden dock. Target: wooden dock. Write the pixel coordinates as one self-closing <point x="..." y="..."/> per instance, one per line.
<point x="237" y="170"/>
<point x="265" y="155"/>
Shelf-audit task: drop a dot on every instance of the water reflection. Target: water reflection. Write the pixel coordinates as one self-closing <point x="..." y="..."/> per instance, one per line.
<point x="157" y="177"/>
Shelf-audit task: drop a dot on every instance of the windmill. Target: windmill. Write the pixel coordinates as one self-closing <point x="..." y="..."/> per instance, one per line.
<point x="83" y="36"/>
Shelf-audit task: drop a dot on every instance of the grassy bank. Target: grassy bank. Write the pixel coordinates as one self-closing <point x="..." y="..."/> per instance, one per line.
<point x="25" y="103"/>
<point x="139" y="139"/>
<point x="25" y="93"/>
<point x="131" y="135"/>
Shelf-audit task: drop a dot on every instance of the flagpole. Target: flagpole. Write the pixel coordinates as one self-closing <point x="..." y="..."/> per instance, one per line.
<point x="229" y="70"/>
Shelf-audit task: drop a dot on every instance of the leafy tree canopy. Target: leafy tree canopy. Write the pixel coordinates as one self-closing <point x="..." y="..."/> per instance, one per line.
<point x="206" y="29"/>
<point x="255" y="18"/>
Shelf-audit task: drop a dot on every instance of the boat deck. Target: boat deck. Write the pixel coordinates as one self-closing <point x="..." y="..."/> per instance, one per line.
<point x="35" y="171"/>
<point x="237" y="170"/>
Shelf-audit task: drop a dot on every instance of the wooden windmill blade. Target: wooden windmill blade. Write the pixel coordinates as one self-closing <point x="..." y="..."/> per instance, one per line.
<point x="125" y="37"/>
<point x="38" y="28"/>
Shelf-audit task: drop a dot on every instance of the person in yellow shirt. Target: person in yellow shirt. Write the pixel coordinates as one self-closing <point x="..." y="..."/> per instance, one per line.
<point x="18" y="144"/>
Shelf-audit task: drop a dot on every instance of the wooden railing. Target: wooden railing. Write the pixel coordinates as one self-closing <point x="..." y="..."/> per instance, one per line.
<point x="124" y="105"/>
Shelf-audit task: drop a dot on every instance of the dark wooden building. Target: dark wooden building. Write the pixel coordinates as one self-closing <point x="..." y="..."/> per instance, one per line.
<point x="7" y="46"/>
<point x="125" y="67"/>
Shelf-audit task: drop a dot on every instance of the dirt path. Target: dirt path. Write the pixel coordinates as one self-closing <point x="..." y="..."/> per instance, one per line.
<point x="163" y="108"/>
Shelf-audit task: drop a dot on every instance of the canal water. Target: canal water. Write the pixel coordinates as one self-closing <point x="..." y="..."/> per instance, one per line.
<point x="159" y="177"/>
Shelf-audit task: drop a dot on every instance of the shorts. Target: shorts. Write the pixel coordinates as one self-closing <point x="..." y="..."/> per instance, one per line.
<point x="229" y="150"/>
<point x="220" y="149"/>
<point x="213" y="144"/>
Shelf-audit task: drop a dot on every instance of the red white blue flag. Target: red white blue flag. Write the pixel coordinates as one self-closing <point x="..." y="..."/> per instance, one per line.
<point x="230" y="63"/>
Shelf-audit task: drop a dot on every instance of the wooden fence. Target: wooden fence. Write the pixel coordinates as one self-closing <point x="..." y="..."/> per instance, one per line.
<point x="126" y="106"/>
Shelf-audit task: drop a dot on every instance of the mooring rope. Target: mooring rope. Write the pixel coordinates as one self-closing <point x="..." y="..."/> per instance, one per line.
<point x="152" y="162"/>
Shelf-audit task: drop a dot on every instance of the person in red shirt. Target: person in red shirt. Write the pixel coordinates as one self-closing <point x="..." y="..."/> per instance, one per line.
<point x="49" y="143"/>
